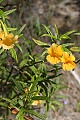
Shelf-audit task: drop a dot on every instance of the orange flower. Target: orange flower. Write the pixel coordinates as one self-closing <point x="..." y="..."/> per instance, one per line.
<point x="7" y="40"/>
<point x="55" y="53"/>
<point x="67" y="60"/>
<point x="36" y="102"/>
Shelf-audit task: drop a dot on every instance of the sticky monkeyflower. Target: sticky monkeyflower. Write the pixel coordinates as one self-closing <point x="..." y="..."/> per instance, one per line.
<point x="55" y="53"/>
<point x="67" y="60"/>
<point x="35" y="102"/>
<point x="7" y="40"/>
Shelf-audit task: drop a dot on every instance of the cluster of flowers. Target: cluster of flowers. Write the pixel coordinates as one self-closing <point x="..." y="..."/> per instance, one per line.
<point x="56" y="55"/>
<point x="7" y="40"/>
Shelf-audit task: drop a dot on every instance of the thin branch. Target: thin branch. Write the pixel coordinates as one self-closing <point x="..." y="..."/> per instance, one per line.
<point x="9" y="75"/>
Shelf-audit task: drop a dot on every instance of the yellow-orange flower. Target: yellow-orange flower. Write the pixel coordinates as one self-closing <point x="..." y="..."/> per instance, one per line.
<point x="67" y="60"/>
<point x="36" y="102"/>
<point x="55" y="53"/>
<point x="7" y="40"/>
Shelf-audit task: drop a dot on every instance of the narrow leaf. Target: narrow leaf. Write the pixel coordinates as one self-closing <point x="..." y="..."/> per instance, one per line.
<point x="32" y="112"/>
<point x="40" y="98"/>
<point x="76" y="33"/>
<point x="67" y="44"/>
<point x="19" y="116"/>
<point x="11" y="29"/>
<point x="75" y="49"/>
<point x="40" y="43"/>
<point x="70" y="32"/>
<point x="48" y="35"/>
<point x="19" y="47"/>
<point x="21" y="29"/>
<point x="13" y="54"/>
<point x="1" y="1"/>
<point x="18" y="85"/>
<point x="23" y="63"/>
<point x="1" y="51"/>
<point x="9" y="12"/>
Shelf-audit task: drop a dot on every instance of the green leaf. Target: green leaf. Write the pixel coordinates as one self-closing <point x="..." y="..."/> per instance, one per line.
<point x="42" y="44"/>
<point x="1" y="13"/>
<point x="18" y="85"/>
<point x="58" y="96"/>
<point x="3" y="104"/>
<point x="66" y="35"/>
<point x="21" y="29"/>
<point x="1" y="1"/>
<point x="13" y="54"/>
<point x="1" y="51"/>
<point x="76" y="33"/>
<point x="56" y="30"/>
<point x="22" y="63"/>
<point x="6" y="99"/>
<point x="35" y="113"/>
<point x="56" y="102"/>
<point x="53" y="107"/>
<point x="34" y="84"/>
<point x="70" y="32"/>
<point x="48" y="31"/>
<point x="34" y="69"/>
<point x="75" y="49"/>
<point x="67" y="44"/>
<point x="40" y="98"/>
<point x="11" y="29"/>
<point x="51" y="36"/>
<point x="66" y="50"/>
<point x="20" y="116"/>
<point x="9" y="12"/>
<point x="19" y="47"/>
<point x="1" y="7"/>
<point x="78" y="107"/>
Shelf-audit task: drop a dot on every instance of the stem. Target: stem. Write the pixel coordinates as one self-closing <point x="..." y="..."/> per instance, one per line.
<point x="9" y="75"/>
<point x="4" y="28"/>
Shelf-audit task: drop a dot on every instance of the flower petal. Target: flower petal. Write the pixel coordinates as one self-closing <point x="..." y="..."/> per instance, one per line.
<point x="68" y="66"/>
<point x="52" y="60"/>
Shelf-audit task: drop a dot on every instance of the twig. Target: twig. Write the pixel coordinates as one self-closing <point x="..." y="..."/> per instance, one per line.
<point x="9" y="75"/>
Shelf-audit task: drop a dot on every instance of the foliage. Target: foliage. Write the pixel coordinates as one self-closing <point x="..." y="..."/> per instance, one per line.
<point x="27" y="79"/>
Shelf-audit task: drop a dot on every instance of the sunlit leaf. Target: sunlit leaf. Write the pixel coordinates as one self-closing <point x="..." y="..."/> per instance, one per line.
<point x="9" y="12"/>
<point x="21" y="29"/>
<point x="11" y="29"/>
<point x="20" y="115"/>
<point x="67" y="44"/>
<point x="13" y="54"/>
<point x="51" y="36"/>
<point x="1" y="51"/>
<point x="19" y="47"/>
<point x="23" y="63"/>
<point x="56" y="31"/>
<point x="75" y="49"/>
<point x="42" y="44"/>
<point x="1" y="1"/>
<point x="48" y="31"/>
<point x="76" y="33"/>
